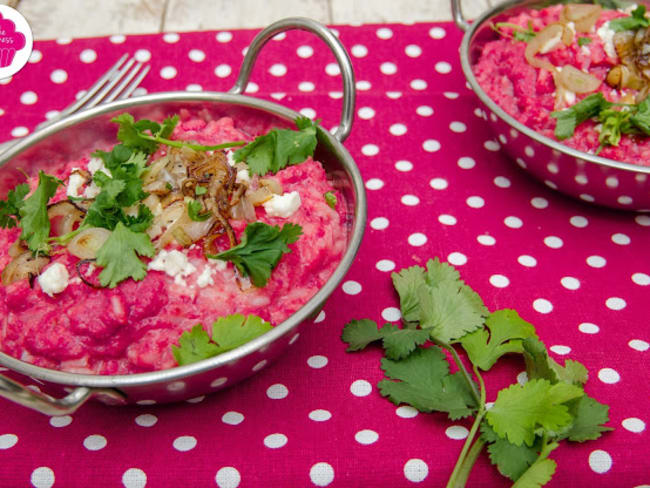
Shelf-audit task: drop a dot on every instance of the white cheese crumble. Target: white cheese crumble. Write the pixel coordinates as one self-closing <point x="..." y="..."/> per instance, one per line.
<point x="96" y="164"/>
<point x="243" y="176"/>
<point x="282" y="205"/>
<point x="75" y="182"/>
<point x="607" y="36"/>
<point x="211" y="268"/>
<point x="230" y="158"/>
<point x="54" y="279"/>
<point x="174" y="263"/>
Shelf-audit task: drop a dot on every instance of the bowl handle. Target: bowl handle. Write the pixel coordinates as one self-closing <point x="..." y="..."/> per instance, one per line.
<point x="341" y="55"/>
<point x="457" y="14"/>
<point x="17" y="393"/>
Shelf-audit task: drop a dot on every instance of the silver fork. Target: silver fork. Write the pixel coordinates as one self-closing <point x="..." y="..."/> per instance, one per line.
<point x="117" y="83"/>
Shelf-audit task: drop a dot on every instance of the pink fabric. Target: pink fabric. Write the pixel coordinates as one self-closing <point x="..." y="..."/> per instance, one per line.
<point x="437" y="186"/>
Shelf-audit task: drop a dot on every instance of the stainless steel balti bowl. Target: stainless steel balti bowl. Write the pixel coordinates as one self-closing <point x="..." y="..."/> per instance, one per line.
<point x="582" y="175"/>
<point x="78" y="135"/>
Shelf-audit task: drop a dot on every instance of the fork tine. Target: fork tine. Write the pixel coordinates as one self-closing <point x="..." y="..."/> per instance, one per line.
<point x="135" y="83"/>
<point x="125" y="81"/>
<point x="109" y="86"/>
<point x="94" y="88"/>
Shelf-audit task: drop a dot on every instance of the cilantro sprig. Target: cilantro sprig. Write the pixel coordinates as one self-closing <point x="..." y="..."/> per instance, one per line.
<point x="637" y="20"/>
<point x="526" y="423"/>
<point x="518" y="32"/>
<point x="227" y="334"/>
<point x="10" y="208"/>
<point x="260" y="250"/>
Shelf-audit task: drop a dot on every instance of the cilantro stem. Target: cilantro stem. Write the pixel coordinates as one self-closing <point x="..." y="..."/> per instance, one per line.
<point x="468" y="463"/>
<point x="461" y="368"/>
<point x="196" y="147"/>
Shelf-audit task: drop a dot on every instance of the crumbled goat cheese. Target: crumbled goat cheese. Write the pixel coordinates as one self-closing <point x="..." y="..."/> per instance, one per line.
<point x="282" y="205"/>
<point x="211" y="268"/>
<point x="230" y="158"/>
<point x="174" y="263"/>
<point x="243" y="176"/>
<point x="96" y="164"/>
<point x="607" y="36"/>
<point x="54" y="279"/>
<point x="75" y="182"/>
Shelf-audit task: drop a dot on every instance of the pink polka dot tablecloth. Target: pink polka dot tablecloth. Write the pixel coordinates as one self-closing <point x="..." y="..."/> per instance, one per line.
<point x="437" y="185"/>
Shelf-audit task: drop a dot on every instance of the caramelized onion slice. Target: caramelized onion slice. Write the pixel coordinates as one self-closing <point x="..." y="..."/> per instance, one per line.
<point x="22" y="267"/>
<point x="583" y="15"/>
<point x="271" y="184"/>
<point x="86" y="244"/>
<point x="577" y="81"/>
<point x="63" y="216"/>
<point x="543" y="42"/>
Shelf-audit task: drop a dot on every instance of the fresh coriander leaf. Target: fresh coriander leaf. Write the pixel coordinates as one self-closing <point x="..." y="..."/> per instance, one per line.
<point x="119" y="256"/>
<point x="359" y="333"/>
<point x="569" y="118"/>
<point x="537" y="475"/>
<point x="439" y="272"/>
<point x="279" y="148"/>
<point x="399" y="343"/>
<point x="512" y="461"/>
<point x="641" y="119"/>
<point x="520" y="409"/>
<point x="613" y="124"/>
<point x="234" y="330"/>
<point x="10" y="208"/>
<point x="506" y="330"/>
<point x="635" y="21"/>
<point x="194" y="208"/>
<point x="330" y="199"/>
<point x="130" y="132"/>
<point x="34" y="221"/>
<point x="450" y="310"/>
<point x="540" y="365"/>
<point x="583" y="41"/>
<point x="200" y="190"/>
<point x="424" y="382"/>
<point x="518" y="32"/>
<point x="407" y="282"/>
<point x="194" y="346"/>
<point x="139" y="222"/>
<point x="260" y="250"/>
<point x="589" y="417"/>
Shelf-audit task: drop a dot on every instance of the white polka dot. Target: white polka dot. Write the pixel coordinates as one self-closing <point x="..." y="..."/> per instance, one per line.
<point x="527" y="261"/>
<point x="280" y="37"/>
<point x="19" y="131"/>
<point x="168" y="72"/>
<point x="379" y="223"/>
<point x="486" y="240"/>
<point x="588" y="328"/>
<point x="438" y="184"/>
<point x="570" y="283"/>
<point x="35" y="56"/>
<point x="417" y="239"/>
<point x="457" y="258"/>
<point x="633" y="424"/>
<point x="196" y="55"/>
<point x="199" y="399"/>
<point x="224" y="36"/>
<point x="260" y="365"/>
<point x="397" y="129"/>
<point x="456" y="432"/>
<point x="335" y="94"/>
<point x="539" y="202"/>
<point x="88" y="56"/>
<point x="431" y="145"/>
<point x="643" y="220"/>
<point x="600" y="461"/>
<point x="219" y="382"/>
<point x="278" y="69"/>
<point x="403" y="166"/>
<point x="446" y="219"/>
<point x="553" y="242"/>
<point x="146" y="420"/>
<point x="146" y="402"/>
<point x="28" y="98"/>
<point x="320" y="317"/>
<point x="228" y="477"/>
<point x="561" y="350"/>
<point x="609" y="376"/>
<point x="615" y="303"/>
<point x="413" y="50"/>
<point x="58" y="76"/>
<point x="95" y="442"/>
<point x="475" y="202"/>
<point x="416" y="470"/>
<point x="360" y="388"/>
<point x="410" y="200"/>
<point x="275" y="441"/>
<point x="424" y="111"/>
<point x="406" y="412"/>
<point x="366" y="113"/>
<point x="491" y="145"/>
<point x="384" y="33"/>
<point x="171" y="37"/>
<point x="391" y="314"/>
<point x="332" y="69"/>
<point x="363" y="85"/>
<point x="451" y="95"/>
<point x="457" y="127"/>
<point x="370" y="150"/>
<point x="388" y="68"/>
<point x="579" y="221"/>
<point x="43" y="477"/>
<point x="418" y="84"/>
<point x="437" y="32"/>
<point x="117" y="39"/>
<point x="513" y="222"/>
<point x="143" y="55"/>
<point x="232" y="418"/>
<point x="305" y="51"/>
<point x="393" y="95"/>
<point x="359" y="51"/>
<point x="641" y="279"/>
<point x="466" y="162"/>
<point x="223" y="71"/>
<point x="184" y="443"/>
<point x="385" y="265"/>
<point x="621" y="239"/>
<point x="320" y="415"/>
<point x="8" y="441"/>
<point x="252" y="87"/>
<point x="60" y="421"/>
<point x="277" y="391"/>
<point x="542" y="305"/>
<point x="638" y="345"/>
<point x="499" y="281"/>
<point x="193" y="87"/>
<point x="321" y="474"/>
<point x="308" y="112"/>
<point x="596" y="261"/>
<point x="442" y="67"/>
<point x="366" y="437"/>
<point x="139" y="91"/>
<point x="502" y="182"/>
<point x="317" y="362"/>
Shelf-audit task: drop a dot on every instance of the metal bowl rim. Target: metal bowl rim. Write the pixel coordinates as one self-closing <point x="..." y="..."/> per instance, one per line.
<point x="180" y="372"/>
